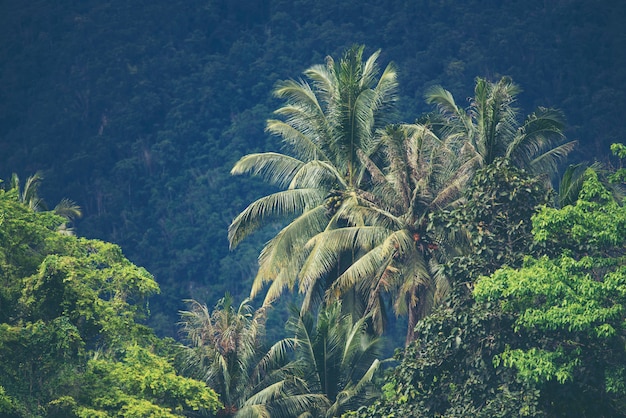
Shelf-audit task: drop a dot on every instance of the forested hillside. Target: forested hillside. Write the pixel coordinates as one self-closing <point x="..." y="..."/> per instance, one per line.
<point x="138" y="110"/>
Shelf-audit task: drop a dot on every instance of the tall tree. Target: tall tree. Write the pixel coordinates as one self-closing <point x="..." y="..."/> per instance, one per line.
<point x="491" y="127"/>
<point x="386" y="227"/>
<point x="329" y="125"/>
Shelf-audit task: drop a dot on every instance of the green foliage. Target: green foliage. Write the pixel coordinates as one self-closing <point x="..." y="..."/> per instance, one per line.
<point x="496" y="218"/>
<point x="7" y="404"/>
<point x="94" y="286"/>
<point x="594" y="226"/>
<point x="570" y="309"/>
<point x="619" y="150"/>
<point x="449" y="370"/>
<point x="64" y="299"/>
<point x="141" y="384"/>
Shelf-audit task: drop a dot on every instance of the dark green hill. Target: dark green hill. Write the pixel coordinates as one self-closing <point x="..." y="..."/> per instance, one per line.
<point x="137" y="110"/>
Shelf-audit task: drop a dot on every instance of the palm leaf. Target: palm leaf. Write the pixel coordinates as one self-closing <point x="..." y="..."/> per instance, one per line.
<point x="328" y="245"/>
<point x="299" y="142"/>
<point x="317" y="173"/>
<point x="284" y="250"/>
<point x="370" y="265"/>
<point x="271" y="207"/>
<point x="274" y="168"/>
<point x="549" y="160"/>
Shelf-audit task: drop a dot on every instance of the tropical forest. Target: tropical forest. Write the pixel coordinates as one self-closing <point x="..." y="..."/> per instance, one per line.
<point x="303" y="209"/>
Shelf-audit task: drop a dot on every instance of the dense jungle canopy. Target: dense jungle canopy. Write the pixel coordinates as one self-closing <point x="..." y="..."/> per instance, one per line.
<point x="274" y="183"/>
<point x="138" y="111"/>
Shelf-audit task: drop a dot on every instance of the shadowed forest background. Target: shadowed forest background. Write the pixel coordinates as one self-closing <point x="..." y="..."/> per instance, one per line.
<point x="138" y="110"/>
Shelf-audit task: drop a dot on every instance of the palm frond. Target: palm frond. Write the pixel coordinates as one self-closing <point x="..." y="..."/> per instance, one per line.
<point x="274" y="206"/>
<point x="317" y="173"/>
<point x="541" y="131"/>
<point x="386" y="89"/>
<point x="366" y="268"/>
<point x="369" y="71"/>
<point x="254" y="411"/>
<point x="273" y="167"/>
<point x="414" y="274"/>
<point x="299" y="93"/>
<point x="363" y="120"/>
<point x="375" y="173"/>
<point x="324" y="81"/>
<point x="298" y="141"/>
<point x="280" y="257"/>
<point x="68" y="209"/>
<point x="571" y="183"/>
<point x="327" y="246"/>
<point x="548" y="161"/>
<point x="445" y="103"/>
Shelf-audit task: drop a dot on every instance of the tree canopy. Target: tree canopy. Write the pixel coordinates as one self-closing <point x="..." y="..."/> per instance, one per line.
<point x="71" y="339"/>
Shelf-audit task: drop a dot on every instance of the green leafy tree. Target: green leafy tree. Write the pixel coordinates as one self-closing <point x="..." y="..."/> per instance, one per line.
<point x="63" y="299"/>
<point x="140" y="384"/>
<point x="569" y="307"/>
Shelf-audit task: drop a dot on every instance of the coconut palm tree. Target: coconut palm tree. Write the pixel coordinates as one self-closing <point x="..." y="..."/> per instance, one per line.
<point x="491" y="127"/>
<point x="225" y="350"/>
<point x="337" y="357"/>
<point x="386" y="229"/>
<point x="329" y="125"/>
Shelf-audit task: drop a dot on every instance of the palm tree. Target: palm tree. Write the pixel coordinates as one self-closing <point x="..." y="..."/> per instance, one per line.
<point x="337" y="357"/>
<point x="29" y="196"/>
<point x="386" y="227"/>
<point x="225" y="351"/>
<point x="329" y="126"/>
<point x="491" y="127"/>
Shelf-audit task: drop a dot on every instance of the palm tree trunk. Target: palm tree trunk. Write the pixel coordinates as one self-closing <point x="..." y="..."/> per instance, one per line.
<point x="413" y="314"/>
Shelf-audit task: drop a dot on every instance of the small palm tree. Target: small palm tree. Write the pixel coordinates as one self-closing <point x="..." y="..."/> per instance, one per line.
<point x="337" y="357"/>
<point x="225" y="350"/>
<point x="29" y="196"/>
